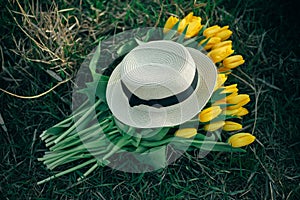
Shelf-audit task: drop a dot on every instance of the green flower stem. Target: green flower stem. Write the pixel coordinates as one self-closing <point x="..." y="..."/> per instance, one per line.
<point x="71" y="159"/>
<point x="156" y="143"/>
<point x="55" y="154"/>
<point x="78" y="110"/>
<point x="79" y="137"/>
<point x="52" y="165"/>
<point x="203" y="145"/>
<point x="121" y="143"/>
<point x="70" y="119"/>
<point x="52" y="142"/>
<point x="53" y="157"/>
<point x="89" y="171"/>
<point x="68" y="171"/>
<point x="80" y="120"/>
<point x="51" y="138"/>
<point x="77" y="141"/>
<point x="113" y="132"/>
<point x="83" y="136"/>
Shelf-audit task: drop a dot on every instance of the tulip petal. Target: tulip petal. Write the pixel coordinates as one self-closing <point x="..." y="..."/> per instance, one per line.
<point x="170" y="23"/>
<point x="232" y="126"/>
<point x="241" y="139"/>
<point x="214" y="126"/>
<point x="209" y="113"/>
<point x="186" y="132"/>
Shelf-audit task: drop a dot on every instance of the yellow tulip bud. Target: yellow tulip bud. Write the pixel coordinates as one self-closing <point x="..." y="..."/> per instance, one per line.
<point x="242" y="111"/>
<point x="222" y="44"/>
<point x="233" y="61"/>
<point x="220" y="54"/>
<point x="224" y="101"/>
<point x="182" y="24"/>
<point x="170" y="23"/>
<point x="230" y="112"/>
<point x="194" y="25"/>
<point x="230" y="89"/>
<point x="221" y="78"/>
<point x="216" y="31"/>
<point x="211" y="42"/>
<point x="186" y="132"/>
<point x="195" y="18"/>
<point x="232" y="126"/>
<point x="224" y="28"/>
<point x="211" y="31"/>
<point x="240" y="100"/>
<point x="193" y="29"/>
<point x="214" y="126"/>
<point x="224" y="34"/>
<point x="189" y="17"/>
<point x="209" y="113"/>
<point x="241" y="139"/>
<point x="232" y="95"/>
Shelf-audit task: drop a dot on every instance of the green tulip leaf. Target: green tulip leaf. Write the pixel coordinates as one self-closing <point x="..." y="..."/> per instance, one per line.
<point x="182" y="35"/>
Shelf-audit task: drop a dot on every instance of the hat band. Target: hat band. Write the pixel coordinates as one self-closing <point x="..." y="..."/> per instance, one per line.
<point x="164" y="102"/>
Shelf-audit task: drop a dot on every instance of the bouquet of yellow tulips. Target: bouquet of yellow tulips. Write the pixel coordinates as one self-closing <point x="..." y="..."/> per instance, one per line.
<point x="226" y="103"/>
<point x="78" y="139"/>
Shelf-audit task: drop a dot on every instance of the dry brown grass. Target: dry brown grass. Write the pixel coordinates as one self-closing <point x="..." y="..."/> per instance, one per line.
<point x="54" y="35"/>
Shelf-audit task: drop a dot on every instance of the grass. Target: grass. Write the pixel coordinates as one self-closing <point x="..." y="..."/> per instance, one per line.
<point x="40" y="39"/>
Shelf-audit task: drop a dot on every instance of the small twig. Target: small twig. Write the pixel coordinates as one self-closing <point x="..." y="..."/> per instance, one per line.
<point x="35" y="96"/>
<point x="160" y="13"/>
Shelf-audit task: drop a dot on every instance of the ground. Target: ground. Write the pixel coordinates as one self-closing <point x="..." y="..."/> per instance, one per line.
<point x="38" y="38"/>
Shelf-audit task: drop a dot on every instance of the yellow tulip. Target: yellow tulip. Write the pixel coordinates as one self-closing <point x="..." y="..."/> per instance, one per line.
<point x="193" y="29"/>
<point x="170" y="23"/>
<point x="190" y="17"/>
<point x="182" y="24"/>
<point x="224" y="34"/>
<point x="211" y="42"/>
<point x="224" y="100"/>
<point x="214" y="126"/>
<point x="194" y="25"/>
<point x="186" y="132"/>
<point x="220" y="54"/>
<point x="240" y="100"/>
<point x="216" y="31"/>
<point x="232" y="126"/>
<point x="209" y="113"/>
<point x="232" y="94"/>
<point x="185" y="21"/>
<point x="241" y="139"/>
<point x="230" y="112"/>
<point x="233" y="61"/>
<point x="223" y="44"/>
<point x="230" y="89"/>
<point x="211" y="31"/>
<point x="241" y="111"/>
<point x="221" y="79"/>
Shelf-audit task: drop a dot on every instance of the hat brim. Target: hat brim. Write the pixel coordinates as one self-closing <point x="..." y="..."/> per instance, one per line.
<point x="143" y="116"/>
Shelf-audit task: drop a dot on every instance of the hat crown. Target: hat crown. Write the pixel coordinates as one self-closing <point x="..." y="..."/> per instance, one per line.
<point x="158" y="69"/>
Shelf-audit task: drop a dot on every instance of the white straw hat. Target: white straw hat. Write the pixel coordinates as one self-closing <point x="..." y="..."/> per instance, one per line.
<point x="160" y="83"/>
